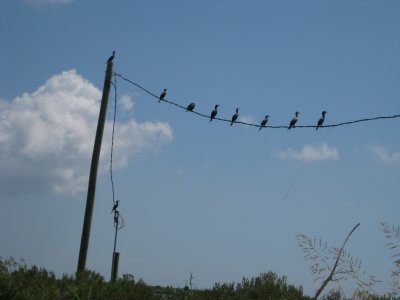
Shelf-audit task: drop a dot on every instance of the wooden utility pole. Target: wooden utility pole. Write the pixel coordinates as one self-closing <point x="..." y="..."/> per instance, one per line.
<point x="93" y="171"/>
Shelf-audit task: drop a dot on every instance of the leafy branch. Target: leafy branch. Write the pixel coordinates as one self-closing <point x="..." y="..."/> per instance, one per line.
<point x="392" y="233"/>
<point x="332" y="264"/>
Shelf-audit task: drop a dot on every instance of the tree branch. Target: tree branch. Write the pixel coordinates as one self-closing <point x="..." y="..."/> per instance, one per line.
<point x="329" y="278"/>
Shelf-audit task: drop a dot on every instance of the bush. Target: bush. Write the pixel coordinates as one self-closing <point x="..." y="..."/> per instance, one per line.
<point x="17" y="281"/>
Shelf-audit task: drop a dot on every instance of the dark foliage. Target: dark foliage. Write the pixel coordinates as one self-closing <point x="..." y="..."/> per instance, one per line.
<point x="18" y="281"/>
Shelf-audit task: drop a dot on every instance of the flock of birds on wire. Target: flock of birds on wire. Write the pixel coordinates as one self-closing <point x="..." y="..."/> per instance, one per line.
<point x="214" y="112"/>
<point x="234" y="118"/>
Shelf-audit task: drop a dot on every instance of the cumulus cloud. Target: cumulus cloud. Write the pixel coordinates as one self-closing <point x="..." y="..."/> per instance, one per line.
<point x="47" y="2"/>
<point x="46" y="137"/>
<point x="310" y="153"/>
<point x="126" y="103"/>
<point x="383" y="154"/>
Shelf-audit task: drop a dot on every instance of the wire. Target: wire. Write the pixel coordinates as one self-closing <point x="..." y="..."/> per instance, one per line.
<point x="118" y="219"/>
<point x="251" y="124"/>
<point x="294" y="181"/>
<point x="112" y="138"/>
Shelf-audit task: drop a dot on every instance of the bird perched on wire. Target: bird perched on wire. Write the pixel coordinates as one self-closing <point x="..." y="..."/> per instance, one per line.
<point x="264" y="122"/>
<point x="115" y="206"/>
<point x="162" y="96"/>
<point x="235" y="116"/>
<point x="294" y="120"/>
<point x="321" y="120"/>
<point x="214" y="112"/>
<point x="110" y="59"/>
<point x="190" y="107"/>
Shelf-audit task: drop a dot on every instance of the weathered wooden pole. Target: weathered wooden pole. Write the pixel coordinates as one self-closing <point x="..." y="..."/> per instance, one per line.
<point x="93" y="170"/>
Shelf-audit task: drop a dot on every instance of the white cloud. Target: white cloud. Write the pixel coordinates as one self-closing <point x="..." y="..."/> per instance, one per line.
<point x="384" y="154"/>
<point x="46" y="137"/>
<point x="47" y="2"/>
<point x="4" y="104"/>
<point x="126" y="103"/>
<point x="248" y="119"/>
<point x="310" y="153"/>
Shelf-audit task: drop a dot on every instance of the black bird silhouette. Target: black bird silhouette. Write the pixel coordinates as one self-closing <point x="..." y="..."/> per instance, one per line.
<point x="110" y="59"/>
<point x="235" y="116"/>
<point x="293" y="121"/>
<point x="214" y="112"/>
<point x="115" y="206"/>
<point x="321" y="120"/>
<point x="264" y="122"/>
<point x="190" y="107"/>
<point x="162" y="96"/>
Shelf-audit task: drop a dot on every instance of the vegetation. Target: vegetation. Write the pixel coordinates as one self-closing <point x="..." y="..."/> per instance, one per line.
<point x="18" y="281"/>
<point x="330" y="264"/>
<point x="333" y="264"/>
<point x="392" y="233"/>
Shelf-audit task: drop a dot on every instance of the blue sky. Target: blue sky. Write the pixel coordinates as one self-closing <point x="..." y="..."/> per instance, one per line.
<point x="218" y="201"/>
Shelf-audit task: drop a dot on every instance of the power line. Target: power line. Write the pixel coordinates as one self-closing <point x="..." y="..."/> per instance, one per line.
<point x="252" y="124"/>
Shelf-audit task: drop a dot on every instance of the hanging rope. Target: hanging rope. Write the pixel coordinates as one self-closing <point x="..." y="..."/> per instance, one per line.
<point x="119" y="221"/>
<point x="112" y="138"/>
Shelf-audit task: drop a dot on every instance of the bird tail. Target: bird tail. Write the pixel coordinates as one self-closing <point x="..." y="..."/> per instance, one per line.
<point x="159" y="100"/>
<point x="210" y="119"/>
<point x="231" y="123"/>
<point x="316" y="128"/>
